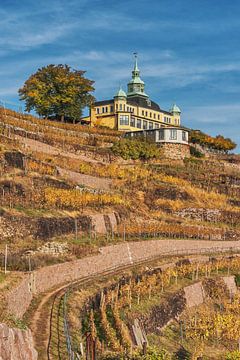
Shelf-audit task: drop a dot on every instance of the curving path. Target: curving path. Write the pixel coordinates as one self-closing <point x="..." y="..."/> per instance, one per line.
<point x="50" y="280"/>
<point x="87" y="180"/>
<point x="36" y="145"/>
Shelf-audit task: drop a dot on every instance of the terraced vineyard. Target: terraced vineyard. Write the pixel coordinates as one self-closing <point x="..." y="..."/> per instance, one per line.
<point x="185" y="310"/>
<point x="64" y="194"/>
<point x="56" y="176"/>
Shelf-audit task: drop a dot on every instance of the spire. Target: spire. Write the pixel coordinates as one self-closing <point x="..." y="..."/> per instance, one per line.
<point x="136" y="85"/>
<point x="136" y="64"/>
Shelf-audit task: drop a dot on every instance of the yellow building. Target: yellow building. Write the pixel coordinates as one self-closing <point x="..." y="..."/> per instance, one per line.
<point x="132" y="111"/>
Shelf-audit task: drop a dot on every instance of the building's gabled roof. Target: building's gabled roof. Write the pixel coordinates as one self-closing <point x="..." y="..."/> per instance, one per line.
<point x="166" y="112"/>
<point x="143" y="102"/>
<point x="103" y="102"/>
<point x="136" y="101"/>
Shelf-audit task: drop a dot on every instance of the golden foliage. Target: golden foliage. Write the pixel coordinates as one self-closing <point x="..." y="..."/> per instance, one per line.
<point x="76" y="199"/>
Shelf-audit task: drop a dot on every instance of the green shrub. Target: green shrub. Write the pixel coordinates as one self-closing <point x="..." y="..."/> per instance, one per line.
<point x="237" y="279"/>
<point x="136" y="149"/>
<point x="235" y="355"/>
<point x="152" y="354"/>
<point x="196" y="153"/>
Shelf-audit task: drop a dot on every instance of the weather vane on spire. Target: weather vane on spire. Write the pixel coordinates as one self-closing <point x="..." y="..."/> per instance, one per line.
<point x="136" y="61"/>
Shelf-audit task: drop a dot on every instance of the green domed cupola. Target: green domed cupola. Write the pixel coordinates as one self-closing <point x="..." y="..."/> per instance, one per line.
<point x="121" y="94"/>
<point x="136" y="85"/>
<point x="175" y="110"/>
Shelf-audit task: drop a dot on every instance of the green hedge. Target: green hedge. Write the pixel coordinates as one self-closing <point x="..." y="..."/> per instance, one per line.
<point x="136" y="149"/>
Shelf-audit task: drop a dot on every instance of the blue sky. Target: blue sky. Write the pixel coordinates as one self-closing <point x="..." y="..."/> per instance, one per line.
<point x="188" y="51"/>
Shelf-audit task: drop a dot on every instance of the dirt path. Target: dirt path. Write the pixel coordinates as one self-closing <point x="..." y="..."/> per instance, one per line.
<point x="35" y="145"/>
<point x="87" y="180"/>
<point x="81" y="179"/>
<point x="40" y="321"/>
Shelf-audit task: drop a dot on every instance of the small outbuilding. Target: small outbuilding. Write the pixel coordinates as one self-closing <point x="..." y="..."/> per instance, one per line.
<point x="172" y="140"/>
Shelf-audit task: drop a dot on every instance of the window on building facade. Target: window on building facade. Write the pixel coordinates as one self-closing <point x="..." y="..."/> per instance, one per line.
<point x="143" y="112"/>
<point x="161" y="134"/>
<point x="97" y="110"/>
<point x="150" y="114"/>
<point x="154" y="116"/>
<point x="146" y="113"/>
<point x="117" y="107"/>
<point x="120" y="107"/>
<point x="150" y="125"/>
<point x="184" y="136"/>
<point x="106" y="109"/>
<point x="111" y="108"/>
<point x="156" y="126"/>
<point x="173" y="134"/>
<point x="139" y="123"/>
<point x="103" y="109"/>
<point x="158" y="117"/>
<point x="124" y="119"/>
<point x="132" y="121"/>
<point x="165" y="119"/>
<point x="145" y="125"/>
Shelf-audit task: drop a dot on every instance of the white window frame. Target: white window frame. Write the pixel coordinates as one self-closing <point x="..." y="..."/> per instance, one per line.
<point x="124" y="119"/>
<point x="161" y="134"/>
<point x="173" y="134"/>
<point x="145" y="125"/>
<point x="139" y="123"/>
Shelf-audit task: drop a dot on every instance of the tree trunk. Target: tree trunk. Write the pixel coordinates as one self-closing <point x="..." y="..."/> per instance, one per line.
<point x="62" y="118"/>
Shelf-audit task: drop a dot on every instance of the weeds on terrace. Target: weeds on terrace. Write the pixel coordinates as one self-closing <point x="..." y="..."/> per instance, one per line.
<point x="58" y="125"/>
<point x="201" y="198"/>
<point x="75" y="200"/>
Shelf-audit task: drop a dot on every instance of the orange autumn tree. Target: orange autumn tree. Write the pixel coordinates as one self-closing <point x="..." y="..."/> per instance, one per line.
<point x="219" y="142"/>
<point x="57" y="91"/>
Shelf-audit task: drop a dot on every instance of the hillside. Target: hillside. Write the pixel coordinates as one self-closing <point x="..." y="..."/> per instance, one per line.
<point x="65" y="194"/>
<point x="61" y="182"/>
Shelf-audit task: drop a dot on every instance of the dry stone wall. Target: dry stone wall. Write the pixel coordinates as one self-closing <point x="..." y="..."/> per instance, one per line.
<point x="110" y="257"/>
<point x="230" y="284"/>
<point x="175" y="151"/>
<point x="194" y="295"/>
<point x="12" y="226"/>
<point x="16" y="344"/>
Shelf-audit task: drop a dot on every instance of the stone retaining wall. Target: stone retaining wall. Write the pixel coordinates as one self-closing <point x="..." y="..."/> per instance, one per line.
<point x="110" y="257"/>
<point x="194" y="294"/>
<point x="16" y="344"/>
<point x="13" y="226"/>
<point x="175" y="151"/>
